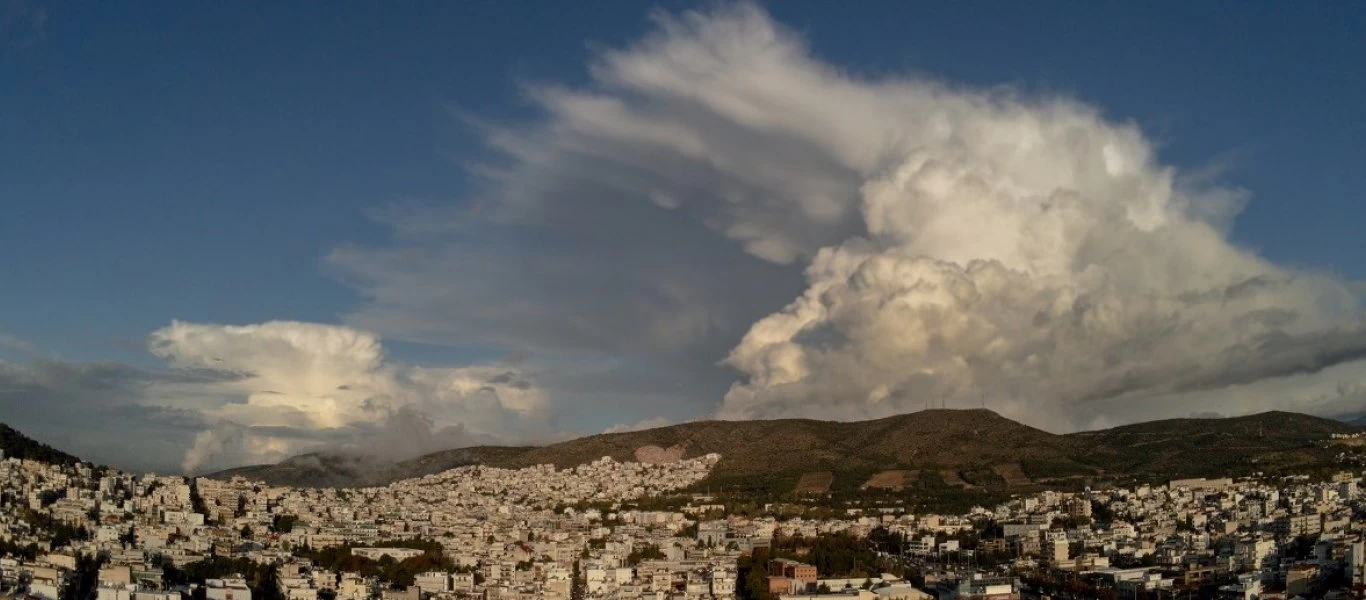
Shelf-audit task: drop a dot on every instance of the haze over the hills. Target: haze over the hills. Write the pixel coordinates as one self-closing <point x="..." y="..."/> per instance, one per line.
<point x="703" y="215"/>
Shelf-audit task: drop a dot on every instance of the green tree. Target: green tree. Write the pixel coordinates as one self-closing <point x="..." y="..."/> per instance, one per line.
<point x="646" y="552"/>
<point x="283" y="523"/>
<point x="576" y="589"/>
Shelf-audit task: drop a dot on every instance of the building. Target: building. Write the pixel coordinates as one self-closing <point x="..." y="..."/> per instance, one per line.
<point x="899" y="591"/>
<point x="1059" y="551"/>
<point x="229" y="588"/>
<point x="1299" y="580"/>
<point x="976" y="586"/>
<point x="1200" y="484"/>
<point x="433" y="581"/>
<point x="1079" y="508"/>
<point x="791" y="569"/>
<point x="397" y="554"/>
<point x="1298" y="525"/>
<point x="1252" y="555"/>
<point x="1356" y="563"/>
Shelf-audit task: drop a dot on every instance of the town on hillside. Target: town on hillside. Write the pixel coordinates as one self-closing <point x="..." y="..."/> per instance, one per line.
<point x="610" y="529"/>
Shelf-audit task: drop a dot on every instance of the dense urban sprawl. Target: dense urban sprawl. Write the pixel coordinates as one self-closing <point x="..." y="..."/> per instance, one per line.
<point x="81" y="532"/>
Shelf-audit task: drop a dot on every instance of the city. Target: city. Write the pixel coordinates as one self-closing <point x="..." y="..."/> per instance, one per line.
<point x="682" y="300"/>
<point x="73" y="530"/>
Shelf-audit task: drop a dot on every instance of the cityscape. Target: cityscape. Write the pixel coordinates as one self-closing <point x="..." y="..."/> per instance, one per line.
<point x="682" y="300"/>
<point x="610" y="529"/>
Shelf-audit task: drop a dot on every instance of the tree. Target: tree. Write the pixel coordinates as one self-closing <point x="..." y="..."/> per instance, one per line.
<point x="689" y="530"/>
<point x="753" y="580"/>
<point x="1101" y="512"/>
<point x="82" y="584"/>
<point x="576" y="590"/>
<point x="647" y="552"/>
<point x="283" y="523"/>
<point x="197" y="501"/>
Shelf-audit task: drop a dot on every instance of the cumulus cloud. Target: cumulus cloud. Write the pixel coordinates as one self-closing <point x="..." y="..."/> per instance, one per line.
<point x="852" y="247"/>
<point x="229" y="395"/>
<point x="722" y="224"/>
<point x="334" y="382"/>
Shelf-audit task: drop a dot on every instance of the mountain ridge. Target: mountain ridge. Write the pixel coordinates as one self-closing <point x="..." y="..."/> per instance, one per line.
<point x="15" y="444"/>
<point x="965" y="448"/>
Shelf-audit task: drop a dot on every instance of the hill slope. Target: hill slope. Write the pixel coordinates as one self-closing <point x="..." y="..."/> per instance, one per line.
<point x="18" y="445"/>
<point x="958" y="448"/>
<point x="1174" y="448"/>
<point x="774" y="454"/>
<point x="762" y="455"/>
<point x="322" y="469"/>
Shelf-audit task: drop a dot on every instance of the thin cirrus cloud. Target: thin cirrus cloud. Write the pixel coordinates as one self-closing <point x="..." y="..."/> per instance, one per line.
<point x="851" y="247"/>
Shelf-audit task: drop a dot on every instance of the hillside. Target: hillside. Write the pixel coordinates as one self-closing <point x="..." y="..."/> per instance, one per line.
<point x="775" y="454"/>
<point x="1270" y="442"/>
<point x="964" y="447"/>
<point x="18" y="445"/>
<point x="346" y="470"/>
<point x="928" y="450"/>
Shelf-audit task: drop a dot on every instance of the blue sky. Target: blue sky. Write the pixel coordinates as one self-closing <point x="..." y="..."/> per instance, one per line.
<point x="200" y="161"/>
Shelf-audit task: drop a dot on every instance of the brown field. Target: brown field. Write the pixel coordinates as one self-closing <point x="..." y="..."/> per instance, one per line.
<point x="817" y="482"/>
<point x="1013" y="474"/>
<point x="891" y="480"/>
<point x="952" y="477"/>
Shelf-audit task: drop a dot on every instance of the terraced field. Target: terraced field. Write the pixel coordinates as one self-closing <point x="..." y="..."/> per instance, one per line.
<point x="894" y="479"/>
<point x="815" y="483"/>
<point x="1013" y="473"/>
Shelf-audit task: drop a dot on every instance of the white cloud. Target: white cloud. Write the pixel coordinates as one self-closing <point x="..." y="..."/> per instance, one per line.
<point x="299" y="385"/>
<point x="653" y="423"/>
<point x="956" y="244"/>
<point x="14" y="343"/>
<point x="721" y="223"/>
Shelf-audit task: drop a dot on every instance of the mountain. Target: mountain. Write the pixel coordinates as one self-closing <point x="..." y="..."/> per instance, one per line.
<point x="964" y="449"/>
<point x="778" y="454"/>
<point x="1176" y="448"/>
<point x="18" y="445"/>
<point x="1358" y="421"/>
<point x="321" y="469"/>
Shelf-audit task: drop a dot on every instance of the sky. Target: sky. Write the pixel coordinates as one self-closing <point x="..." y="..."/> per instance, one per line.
<point x="234" y="232"/>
